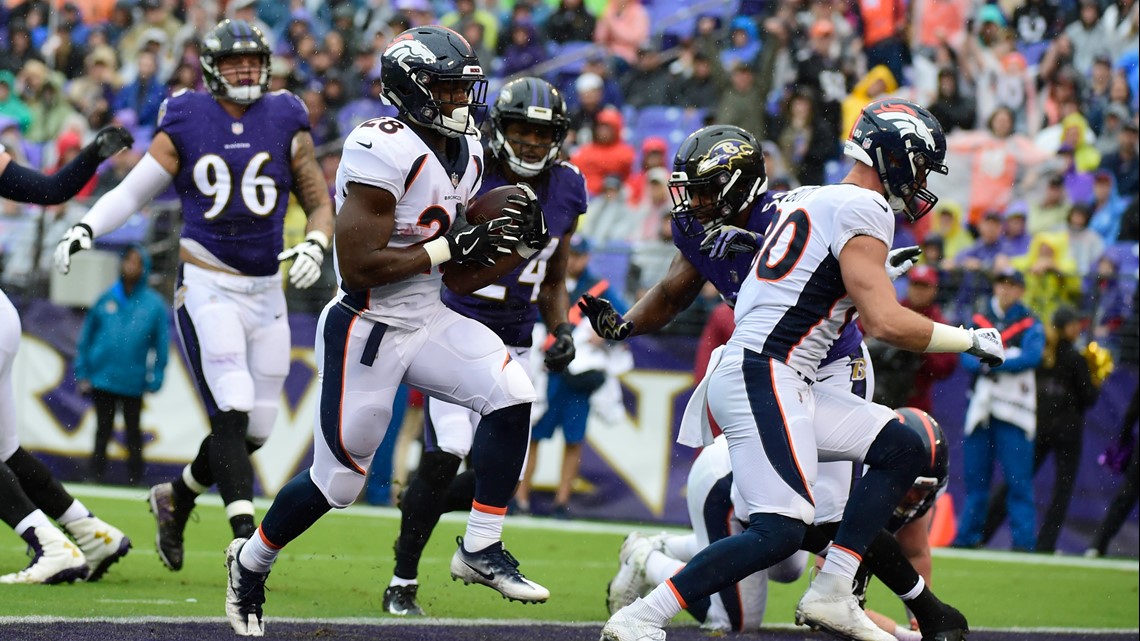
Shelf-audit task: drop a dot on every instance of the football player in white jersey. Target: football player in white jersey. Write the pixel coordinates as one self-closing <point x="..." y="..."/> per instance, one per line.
<point x="822" y="261"/>
<point x="29" y="494"/>
<point x="401" y="190"/>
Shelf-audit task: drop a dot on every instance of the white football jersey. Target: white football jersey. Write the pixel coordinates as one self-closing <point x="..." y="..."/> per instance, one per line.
<point x="794" y="304"/>
<point x="386" y="153"/>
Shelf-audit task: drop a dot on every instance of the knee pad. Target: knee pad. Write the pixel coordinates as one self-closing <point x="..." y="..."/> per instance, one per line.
<point x="778" y="532"/>
<point x="233" y="391"/>
<point x="438" y="469"/>
<point x="897" y="447"/>
<point x="341" y="487"/>
<point x="512" y="388"/>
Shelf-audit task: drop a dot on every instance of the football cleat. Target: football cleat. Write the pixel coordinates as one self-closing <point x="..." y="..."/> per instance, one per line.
<point x="623" y="626"/>
<point x="55" y="559"/>
<point x="949" y="625"/>
<point x="494" y="567"/>
<point x="400" y="600"/>
<point x="630" y="581"/>
<point x="829" y="606"/>
<point x="245" y="594"/>
<point x="170" y="520"/>
<point x="102" y="544"/>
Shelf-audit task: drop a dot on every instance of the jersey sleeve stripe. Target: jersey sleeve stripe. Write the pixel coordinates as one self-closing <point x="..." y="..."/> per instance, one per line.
<point x="414" y="172"/>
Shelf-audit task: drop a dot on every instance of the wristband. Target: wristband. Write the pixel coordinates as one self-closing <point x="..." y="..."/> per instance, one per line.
<point x="438" y="251"/>
<point x="319" y="237"/>
<point x="944" y="338"/>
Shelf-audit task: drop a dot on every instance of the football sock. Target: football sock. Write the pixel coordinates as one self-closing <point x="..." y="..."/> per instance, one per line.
<point x="498" y="452"/>
<point x="769" y="539"/>
<point x="484" y="527"/>
<point x="75" y="512"/>
<point x="297" y="507"/>
<point x="421" y="508"/>
<point x="35" y="519"/>
<point x="915" y="591"/>
<point x="842" y="562"/>
<point x="460" y="493"/>
<point x="39" y="484"/>
<point x="257" y="556"/>
<point x="659" y="567"/>
<point x="659" y="606"/>
<point x="229" y="459"/>
<point x="15" y="506"/>
<point x="397" y="581"/>
<point x="895" y="458"/>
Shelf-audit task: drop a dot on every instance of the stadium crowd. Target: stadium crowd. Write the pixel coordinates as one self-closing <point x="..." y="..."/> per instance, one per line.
<point x="1038" y="99"/>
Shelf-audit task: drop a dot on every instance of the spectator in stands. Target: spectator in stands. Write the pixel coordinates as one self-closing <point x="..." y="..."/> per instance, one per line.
<point x="804" y="139"/>
<point x="145" y="94"/>
<point x="120" y="23"/>
<point x="1124" y="164"/>
<point x="1085" y="245"/>
<point x="1065" y="390"/>
<point x="938" y="23"/>
<point x="622" y="28"/>
<point x="583" y="116"/>
<point x="1037" y="24"/>
<point x="703" y="89"/>
<point x="1015" y="238"/>
<point x="607" y="154"/>
<point x="598" y="64"/>
<point x="980" y="256"/>
<point x="1096" y="98"/>
<point x="878" y="82"/>
<point x="121" y="355"/>
<point x="523" y="50"/>
<point x="1108" y="206"/>
<point x="11" y="105"/>
<point x="1000" y="75"/>
<point x="921" y="293"/>
<point x="1051" y="211"/>
<point x="467" y="11"/>
<point x="155" y="15"/>
<point x="653" y="156"/>
<point x="570" y="22"/>
<point x="1050" y="274"/>
<point x="51" y="112"/>
<point x="884" y="35"/>
<point x="652" y="256"/>
<point x="647" y="83"/>
<point x="608" y="220"/>
<point x="654" y="205"/>
<point x="63" y="53"/>
<point x="19" y="50"/>
<point x="1089" y="36"/>
<point x="820" y="66"/>
<point x="1001" y="418"/>
<point x="949" y="226"/>
<point x="744" y="43"/>
<point x="951" y="108"/>
<point x="741" y="100"/>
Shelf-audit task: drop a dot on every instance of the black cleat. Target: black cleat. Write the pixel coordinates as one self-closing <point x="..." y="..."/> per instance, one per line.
<point x="170" y="520"/>
<point x="400" y="600"/>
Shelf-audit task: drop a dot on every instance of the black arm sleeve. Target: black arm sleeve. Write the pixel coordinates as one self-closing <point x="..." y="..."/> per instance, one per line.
<point x="25" y="185"/>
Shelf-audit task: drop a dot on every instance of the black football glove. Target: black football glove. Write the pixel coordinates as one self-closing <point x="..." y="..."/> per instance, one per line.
<point x="526" y="216"/>
<point x="607" y="322"/>
<point x="481" y="244"/>
<point x="111" y="140"/>
<point x="562" y="351"/>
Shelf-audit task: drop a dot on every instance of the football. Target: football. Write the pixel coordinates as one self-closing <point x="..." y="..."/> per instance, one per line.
<point x="490" y="205"/>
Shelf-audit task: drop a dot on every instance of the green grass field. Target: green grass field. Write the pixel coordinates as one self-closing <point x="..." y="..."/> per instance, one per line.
<point x="340" y="567"/>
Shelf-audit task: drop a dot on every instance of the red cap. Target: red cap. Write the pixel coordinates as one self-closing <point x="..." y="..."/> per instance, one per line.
<point x="654" y="143"/>
<point x="923" y="274"/>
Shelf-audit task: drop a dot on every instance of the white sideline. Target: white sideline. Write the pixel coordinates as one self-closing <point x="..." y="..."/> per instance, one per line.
<point x="596" y="527"/>
<point x="460" y="623"/>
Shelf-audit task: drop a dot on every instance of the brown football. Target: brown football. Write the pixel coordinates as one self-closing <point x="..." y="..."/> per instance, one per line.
<point x="490" y="205"/>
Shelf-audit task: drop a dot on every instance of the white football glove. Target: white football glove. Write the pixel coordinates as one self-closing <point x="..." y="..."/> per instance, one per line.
<point x="985" y="343"/>
<point x="899" y="261"/>
<point x="308" y="255"/>
<point x="77" y="238"/>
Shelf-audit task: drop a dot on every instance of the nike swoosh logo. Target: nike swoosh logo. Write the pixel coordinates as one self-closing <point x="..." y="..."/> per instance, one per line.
<point x="467" y="250"/>
<point x="361" y="143"/>
<point x="490" y="576"/>
<point x="825" y="378"/>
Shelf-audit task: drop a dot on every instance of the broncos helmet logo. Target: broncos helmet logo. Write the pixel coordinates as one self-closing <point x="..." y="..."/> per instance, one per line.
<point x="906" y="120"/>
<point x="407" y="49"/>
<point x="723" y="154"/>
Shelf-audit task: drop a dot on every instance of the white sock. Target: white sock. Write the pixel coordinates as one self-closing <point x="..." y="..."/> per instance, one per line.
<point x="191" y="482"/>
<point x="484" y="527"/>
<point x="660" y="566"/>
<point x="401" y="582"/>
<point x="915" y="591"/>
<point x="73" y="513"/>
<point x="843" y="562"/>
<point x="658" y="608"/>
<point x="256" y="555"/>
<point x="35" y="519"/>
<point x="902" y="634"/>
<point x="683" y="547"/>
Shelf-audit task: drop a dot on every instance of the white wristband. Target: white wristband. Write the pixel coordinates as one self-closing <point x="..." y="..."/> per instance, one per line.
<point x="319" y="237"/>
<point x="945" y="338"/>
<point x="438" y="251"/>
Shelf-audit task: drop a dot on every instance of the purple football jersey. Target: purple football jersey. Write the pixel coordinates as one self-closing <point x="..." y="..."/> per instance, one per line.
<point x="727" y="274"/>
<point x="509" y="306"/>
<point x="234" y="175"/>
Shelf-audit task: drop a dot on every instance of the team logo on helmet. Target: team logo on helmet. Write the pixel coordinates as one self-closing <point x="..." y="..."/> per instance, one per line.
<point x="724" y="154"/>
<point x="406" y="49"/>
<point x="906" y="120"/>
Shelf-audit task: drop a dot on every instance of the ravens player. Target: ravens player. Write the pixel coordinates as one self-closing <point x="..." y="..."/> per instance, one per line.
<point x="401" y="189"/>
<point x="233" y="156"/>
<point x="528" y="126"/>
<point x="29" y="493"/>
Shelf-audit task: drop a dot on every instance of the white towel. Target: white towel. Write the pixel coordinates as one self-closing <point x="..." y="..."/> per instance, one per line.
<point x="696" y="430"/>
